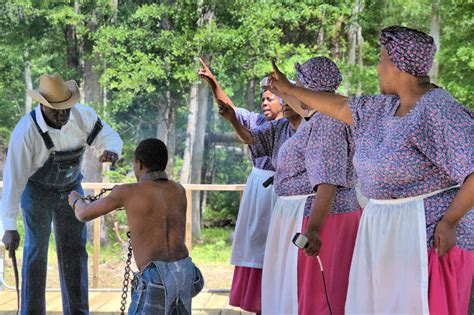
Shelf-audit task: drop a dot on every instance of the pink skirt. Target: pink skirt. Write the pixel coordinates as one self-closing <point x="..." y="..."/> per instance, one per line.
<point x="246" y="289"/>
<point x="450" y="280"/>
<point x="338" y="235"/>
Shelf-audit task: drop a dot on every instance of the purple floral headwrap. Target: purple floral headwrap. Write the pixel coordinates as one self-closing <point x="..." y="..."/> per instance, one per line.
<point x="319" y="74"/>
<point x="410" y="50"/>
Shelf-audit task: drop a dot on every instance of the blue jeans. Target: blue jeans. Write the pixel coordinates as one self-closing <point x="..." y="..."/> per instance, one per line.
<point x="165" y="288"/>
<point x="42" y="206"/>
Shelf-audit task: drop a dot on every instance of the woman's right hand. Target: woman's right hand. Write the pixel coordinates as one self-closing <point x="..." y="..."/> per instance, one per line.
<point x="206" y="74"/>
<point x="278" y="81"/>
<point x="314" y="242"/>
<point x="226" y="111"/>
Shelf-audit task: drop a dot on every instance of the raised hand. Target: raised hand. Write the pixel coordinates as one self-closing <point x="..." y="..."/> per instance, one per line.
<point x="206" y="74"/>
<point x="219" y="94"/>
<point x="278" y="81"/>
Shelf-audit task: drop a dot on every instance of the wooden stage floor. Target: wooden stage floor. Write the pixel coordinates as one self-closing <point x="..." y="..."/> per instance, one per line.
<point x="109" y="303"/>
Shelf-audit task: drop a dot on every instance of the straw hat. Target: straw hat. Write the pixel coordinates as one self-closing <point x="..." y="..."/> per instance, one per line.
<point x="55" y="93"/>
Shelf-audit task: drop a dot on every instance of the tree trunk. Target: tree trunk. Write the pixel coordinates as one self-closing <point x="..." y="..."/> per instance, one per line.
<point x="360" y="43"/>
<point x="3" y="156"/>
<point x="93" y="96"/>
<point x="336" y="50"/>
<point x="194" y="150"/>
<point x="352" y="42"/>
<point x="29" y="86"/>
<point x="435" y="32"/>
<point x="166" y="127"/>
<point x="171" y="140"/>
<point x="196" y="129"/>
<point x="251" y="93"/>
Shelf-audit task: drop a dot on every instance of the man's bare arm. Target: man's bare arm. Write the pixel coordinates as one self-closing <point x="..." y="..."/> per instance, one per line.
<point x="88" y="211"/>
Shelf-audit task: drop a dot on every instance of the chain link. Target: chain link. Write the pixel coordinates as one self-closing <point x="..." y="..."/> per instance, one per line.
<point x="126" y="276"/>
<point x="93" y="198"/>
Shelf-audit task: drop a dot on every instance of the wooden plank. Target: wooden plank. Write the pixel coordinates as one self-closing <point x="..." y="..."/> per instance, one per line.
<point x="217" y="301"/>
<point x="189" y="220"/>
<point x="109" y="303"/>
<point x="54" y="302"/>
<point x="96" y="258"/>
<point x="99" y="300"/>
<point x="113" y="303"/>
<point x="194" y="187"/>
<point x="7" y="296"/>
<point x="212" y="187"/>
<point x="228" y="310"/>
<point x="201" y="300"/>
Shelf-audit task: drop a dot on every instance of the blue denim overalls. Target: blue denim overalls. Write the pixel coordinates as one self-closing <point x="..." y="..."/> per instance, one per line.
<point x="165" y="288"/>
<point x="45" y="199"/>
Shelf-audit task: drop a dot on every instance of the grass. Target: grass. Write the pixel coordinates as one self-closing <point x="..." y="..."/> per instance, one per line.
<point x="213" y="246"/>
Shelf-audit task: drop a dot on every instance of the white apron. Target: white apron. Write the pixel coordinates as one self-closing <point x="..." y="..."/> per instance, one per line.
<point x="251" y="229"/>
<point x="389" y="270"/>
<point x="280" y="268"/>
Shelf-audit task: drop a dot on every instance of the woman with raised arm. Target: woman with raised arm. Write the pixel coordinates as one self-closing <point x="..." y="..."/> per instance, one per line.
<point x="414" y="158"/>
<point x="318" y="158"/>
<point x="257" y="201"/>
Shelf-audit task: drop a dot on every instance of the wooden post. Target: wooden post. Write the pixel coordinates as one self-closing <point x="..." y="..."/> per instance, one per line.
<point x="95" y="266"/>
<point x="189" y="220"/>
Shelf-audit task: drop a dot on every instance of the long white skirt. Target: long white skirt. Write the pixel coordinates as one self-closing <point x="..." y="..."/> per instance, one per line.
<point x="253" y="221"/>
<point x="389" y="270"/>
<point x="280" y="273"/>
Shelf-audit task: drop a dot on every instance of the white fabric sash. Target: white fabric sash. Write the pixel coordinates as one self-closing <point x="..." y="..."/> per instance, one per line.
<point x="389" y="270"/>
<point x="280" y="276"/>
<point x="253" y="220"/>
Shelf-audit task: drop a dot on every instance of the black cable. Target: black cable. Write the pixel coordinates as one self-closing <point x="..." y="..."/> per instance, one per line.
<point x="301" y="241"/>
<point x="326" y="293"/>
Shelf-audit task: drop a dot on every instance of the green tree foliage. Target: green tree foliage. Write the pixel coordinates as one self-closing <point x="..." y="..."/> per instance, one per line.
<point x="149" y="50"/>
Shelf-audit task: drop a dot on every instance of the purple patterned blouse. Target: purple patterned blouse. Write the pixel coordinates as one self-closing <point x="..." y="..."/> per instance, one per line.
<point x="320" y="152"/>
<point x="430" y="148"/>
<point x="251" y="121"/>
<point x="269" y="137"/>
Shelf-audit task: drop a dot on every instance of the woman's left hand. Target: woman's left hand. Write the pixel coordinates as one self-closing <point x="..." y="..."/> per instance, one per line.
<point x="444" y="237"/>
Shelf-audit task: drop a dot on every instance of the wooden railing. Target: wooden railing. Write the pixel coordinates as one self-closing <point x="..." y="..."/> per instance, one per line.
<point x="96" y="187"/>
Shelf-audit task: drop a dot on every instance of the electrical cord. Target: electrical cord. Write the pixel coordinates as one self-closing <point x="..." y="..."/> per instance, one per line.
<point x="324" y="283"/>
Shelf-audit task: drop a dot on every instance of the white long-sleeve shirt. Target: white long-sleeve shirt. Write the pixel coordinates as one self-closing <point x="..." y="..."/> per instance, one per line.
<point x="27" y="151"/>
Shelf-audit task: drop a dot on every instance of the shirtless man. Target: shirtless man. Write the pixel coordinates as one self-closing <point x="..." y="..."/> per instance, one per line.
<point x="156" y="213"/>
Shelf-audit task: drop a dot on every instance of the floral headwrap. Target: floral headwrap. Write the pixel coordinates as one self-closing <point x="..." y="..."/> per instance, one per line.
<point x="319" y="74"/>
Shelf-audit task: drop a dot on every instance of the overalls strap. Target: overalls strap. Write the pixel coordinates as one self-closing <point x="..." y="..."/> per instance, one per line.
<point x="46" y="137"/>
<point x="95" y="131"/>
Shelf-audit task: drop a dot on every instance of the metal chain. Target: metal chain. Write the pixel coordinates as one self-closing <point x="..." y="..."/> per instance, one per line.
<point x="126" y="276"/>
<point x="92" y="198"/>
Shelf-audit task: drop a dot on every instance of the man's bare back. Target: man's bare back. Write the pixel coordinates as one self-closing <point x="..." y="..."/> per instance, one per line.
<point x="156" y="212"/>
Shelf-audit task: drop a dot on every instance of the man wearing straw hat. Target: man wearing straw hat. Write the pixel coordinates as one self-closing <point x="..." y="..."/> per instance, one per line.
<point x="43" y="166"/>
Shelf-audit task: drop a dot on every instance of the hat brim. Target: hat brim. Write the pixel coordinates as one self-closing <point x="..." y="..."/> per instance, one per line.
<point x="66" y="104"/>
